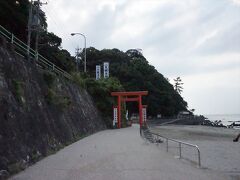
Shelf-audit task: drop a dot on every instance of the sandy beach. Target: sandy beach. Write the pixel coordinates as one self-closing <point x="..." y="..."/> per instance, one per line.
<point x="218" y="151"/>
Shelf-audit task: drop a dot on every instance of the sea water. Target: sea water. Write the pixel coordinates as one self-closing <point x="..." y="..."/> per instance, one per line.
<point x="226" y="119"/>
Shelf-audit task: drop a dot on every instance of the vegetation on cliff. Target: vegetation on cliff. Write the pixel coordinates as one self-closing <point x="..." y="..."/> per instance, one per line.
<point x="39" y="112"/>
<point x="130" y="69"/>
<point x="100" y="91"/>
<point x="136" y="74"/>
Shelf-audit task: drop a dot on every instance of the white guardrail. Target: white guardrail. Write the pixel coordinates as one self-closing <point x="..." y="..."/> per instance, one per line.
<point x="180" y="143"/>
<point x="157" y="137"/>
<point x="22" y="49"/>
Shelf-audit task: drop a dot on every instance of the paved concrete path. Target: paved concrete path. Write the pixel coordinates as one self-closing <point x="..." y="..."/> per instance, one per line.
<point x="115" y="155"/>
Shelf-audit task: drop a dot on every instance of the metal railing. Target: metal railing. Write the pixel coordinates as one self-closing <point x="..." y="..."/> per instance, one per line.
<point x="180" y="143"/>
<point x="22" y="49"/>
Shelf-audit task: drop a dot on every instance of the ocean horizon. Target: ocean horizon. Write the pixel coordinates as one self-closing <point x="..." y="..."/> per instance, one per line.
<point x="226" y="119"/>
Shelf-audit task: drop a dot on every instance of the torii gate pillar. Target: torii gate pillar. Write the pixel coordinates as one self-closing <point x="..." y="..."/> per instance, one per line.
<point x="119" y="111"/>
<point x="126" y="97"/>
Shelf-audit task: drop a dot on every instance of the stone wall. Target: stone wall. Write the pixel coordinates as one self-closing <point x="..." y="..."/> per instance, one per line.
<point x="39" y="112"/>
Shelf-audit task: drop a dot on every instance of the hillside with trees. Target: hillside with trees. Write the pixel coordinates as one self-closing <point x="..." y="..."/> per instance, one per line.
<point x="136" y="74"/>
<point x="130" y="70"/>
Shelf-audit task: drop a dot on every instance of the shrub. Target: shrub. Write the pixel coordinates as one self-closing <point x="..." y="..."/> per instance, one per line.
<point x="79" y="79"/>
<point x="18" y="90"/>
<point x="49" y="78"/>
<point x="101" y="93"/>
<point x="50" y="97"/>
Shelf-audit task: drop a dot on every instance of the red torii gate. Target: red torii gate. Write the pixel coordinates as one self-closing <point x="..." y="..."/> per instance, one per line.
<point x="130" y="97"/>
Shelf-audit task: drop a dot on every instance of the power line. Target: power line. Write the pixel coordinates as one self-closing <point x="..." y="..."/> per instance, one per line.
<point x="56" y="26"/>
<point x="34" y="24"/>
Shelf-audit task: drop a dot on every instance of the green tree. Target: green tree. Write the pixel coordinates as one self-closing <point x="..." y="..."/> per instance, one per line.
<point x="131" y="68"/>
<point x="101" y="93"/>
<point x="178" y="85"/>
<point x="14" y="17"/>
<point x="136" y="74"/>
<point x="49" y="43"/>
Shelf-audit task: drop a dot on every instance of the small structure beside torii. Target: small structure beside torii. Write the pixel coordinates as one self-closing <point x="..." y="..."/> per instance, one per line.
<point x="129" y="97"/>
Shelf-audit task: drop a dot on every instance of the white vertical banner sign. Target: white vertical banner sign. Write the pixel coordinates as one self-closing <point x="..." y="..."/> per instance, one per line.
<point x="98" y="72"/>
<point x="115" y="116"/>
<point x="106" y="69"/>
<point x="144" y="113"/>
<point x="127" y="115"/>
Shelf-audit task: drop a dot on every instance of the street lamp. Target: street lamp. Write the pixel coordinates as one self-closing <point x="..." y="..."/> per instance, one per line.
<point x="85" y="54"/>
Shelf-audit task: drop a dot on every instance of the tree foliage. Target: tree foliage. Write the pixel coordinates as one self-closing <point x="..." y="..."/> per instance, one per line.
<point x="100" y="91"/>
<point x="131" y="68"/>
<point x="178" y="85"/>
<point x="136" y="74"/>
<point x="14" y="17"/>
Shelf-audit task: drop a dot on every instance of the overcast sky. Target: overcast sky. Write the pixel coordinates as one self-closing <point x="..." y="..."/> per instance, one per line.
<point x="198" y="40"/>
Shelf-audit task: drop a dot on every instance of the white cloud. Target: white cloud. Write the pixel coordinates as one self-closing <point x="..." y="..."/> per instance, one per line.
<point x="220" y="79"/>
<point x="128" y="31"/>
<point x="237" y="2"/>
<point x="195" y="39"/>
<point x="213" y="93"/>
<point x="202" y="40"/>
<point x="181" y="20"/>
<point x="223" y="60"/>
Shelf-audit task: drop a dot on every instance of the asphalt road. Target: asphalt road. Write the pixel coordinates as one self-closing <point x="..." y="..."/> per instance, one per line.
<point x="115" y="155"/>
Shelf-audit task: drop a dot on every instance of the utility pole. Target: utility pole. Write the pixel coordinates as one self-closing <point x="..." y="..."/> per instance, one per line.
<point x="85" y="54"/>
<point x="85" y="49"/>
<point x="37" y="29"/>
<point x="29" y="29"/>
<point x="34" y="26"/>
<point x="77" y="52"/>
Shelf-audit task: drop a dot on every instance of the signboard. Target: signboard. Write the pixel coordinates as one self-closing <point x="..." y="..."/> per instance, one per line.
<point x="144" y="113"/>
<point x="98" y="72"/>
<point x="115" y="116"/>
<point x="106" y="69"/>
